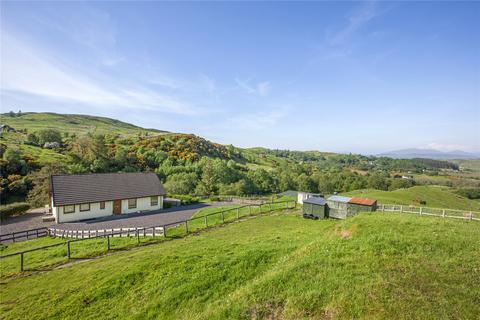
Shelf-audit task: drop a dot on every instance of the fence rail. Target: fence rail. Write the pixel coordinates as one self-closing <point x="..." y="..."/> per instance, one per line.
<point x="427" y="211"/>
<point x="29" y="234"/>
<point x="160" y="230"/>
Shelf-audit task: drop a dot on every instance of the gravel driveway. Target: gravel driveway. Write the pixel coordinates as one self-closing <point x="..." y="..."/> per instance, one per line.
<point x="152" y="218"/>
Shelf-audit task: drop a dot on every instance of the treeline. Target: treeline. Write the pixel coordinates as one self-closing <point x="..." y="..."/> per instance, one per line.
<point x="188" y="164"/>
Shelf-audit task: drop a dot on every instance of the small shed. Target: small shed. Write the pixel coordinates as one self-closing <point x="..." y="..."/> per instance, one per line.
<point x="357" y="205"/>
<point x="315" y="205"/>
<point x="302" y="196"/>
<point x="338" y="207"/>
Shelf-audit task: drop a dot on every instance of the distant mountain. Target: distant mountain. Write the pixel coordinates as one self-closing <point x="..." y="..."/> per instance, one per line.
<point x="429" y="153"/>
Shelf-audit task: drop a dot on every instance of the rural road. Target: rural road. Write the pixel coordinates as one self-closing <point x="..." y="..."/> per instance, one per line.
<point x="34" y="220"/>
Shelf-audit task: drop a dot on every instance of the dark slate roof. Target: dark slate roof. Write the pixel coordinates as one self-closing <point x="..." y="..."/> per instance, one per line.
<point x="86" y="188"/>
<point x="315" y="200"/>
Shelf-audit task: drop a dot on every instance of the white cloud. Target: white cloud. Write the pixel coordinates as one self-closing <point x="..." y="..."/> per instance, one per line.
<point x="91" y="28"/>
<point x="259" y="120"/>
<point x="356" y="21"/>
<point x="28" y="69"/>
<point x="450" y="147"/>
<point x="261" y="88"/>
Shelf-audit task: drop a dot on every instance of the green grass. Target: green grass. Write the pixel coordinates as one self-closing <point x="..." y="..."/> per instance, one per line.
<point x="48" y="258"/>
<point x="435" y="196"/>
<point x="215" y="216"/>
<point x="381" y="266"/>
<point x="72" y="123"/>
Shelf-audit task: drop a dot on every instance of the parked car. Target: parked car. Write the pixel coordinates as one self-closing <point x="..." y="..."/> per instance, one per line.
<point x="311" y="216"/>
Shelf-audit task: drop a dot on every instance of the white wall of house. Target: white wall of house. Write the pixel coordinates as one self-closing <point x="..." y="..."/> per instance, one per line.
<point x="143" y="204"/>
<point x="94" y="212"/>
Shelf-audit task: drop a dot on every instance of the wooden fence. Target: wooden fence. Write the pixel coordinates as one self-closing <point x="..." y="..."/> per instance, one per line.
<point x="152" y="231"/>
<point x="427" y="211"/>
<point x="21" y="235"/>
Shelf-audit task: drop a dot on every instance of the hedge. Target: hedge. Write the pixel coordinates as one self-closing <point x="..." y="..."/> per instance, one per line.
<point x="13" y="209"/>
<point x="185" y="199"/>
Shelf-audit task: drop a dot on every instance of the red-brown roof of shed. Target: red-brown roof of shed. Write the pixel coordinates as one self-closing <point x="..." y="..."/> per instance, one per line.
<point x="362" y="201"/>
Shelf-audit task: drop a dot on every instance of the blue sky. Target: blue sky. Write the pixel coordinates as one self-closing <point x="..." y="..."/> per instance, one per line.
<point x="359" y="77"/>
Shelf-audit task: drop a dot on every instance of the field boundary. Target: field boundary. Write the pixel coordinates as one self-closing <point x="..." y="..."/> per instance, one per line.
<point x="31" y="233"/>
<point x="428" y="211"/>
<point x="162" y="229"/>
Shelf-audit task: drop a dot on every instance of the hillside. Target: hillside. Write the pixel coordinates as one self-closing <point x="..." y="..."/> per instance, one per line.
<point x="189" y="164"/>
<point x="430" y="154"/>
<point x="434" y="196"/>
<point x="272" y="267"/>
<point x="72" y="123"/>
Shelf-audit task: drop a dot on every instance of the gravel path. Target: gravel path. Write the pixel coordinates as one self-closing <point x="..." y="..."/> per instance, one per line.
<point x="152" y="218"/>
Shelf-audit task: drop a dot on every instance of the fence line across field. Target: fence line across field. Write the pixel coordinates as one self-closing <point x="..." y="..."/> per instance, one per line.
<point x="437" y="212"/>
<point x="143" y="231"/>
<point x="29" y="234"/>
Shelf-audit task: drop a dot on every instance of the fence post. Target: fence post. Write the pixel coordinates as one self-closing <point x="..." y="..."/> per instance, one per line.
<point x="138" y="236"/>
<point x="238" y="215"/>
<point x="186" y="226"/>
<point x="206" y="221"/>
<point x="68" y="249"/>
<point x="164" y="231"/>
<point x="471" y="215"/>
<point x="223" y="218"/>
<point x="421" y="209"/>
<point x="21" y="262"/>
<point x="108" y="242"/>
<point x="13" y="237"/>
<point x="443" y="213"/>
<point x="249" y="210"/>
<point x="401" y="208"/>
<point x="270" y="207"/>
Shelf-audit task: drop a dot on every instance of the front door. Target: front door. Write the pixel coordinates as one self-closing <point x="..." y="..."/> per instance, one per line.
<point x="117" y="207"/>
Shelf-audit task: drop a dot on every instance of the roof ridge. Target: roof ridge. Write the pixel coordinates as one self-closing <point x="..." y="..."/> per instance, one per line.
<point x="100" y="173"/>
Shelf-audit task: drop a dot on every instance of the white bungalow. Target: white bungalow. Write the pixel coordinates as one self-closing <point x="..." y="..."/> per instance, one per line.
<point x="77" y="197"/>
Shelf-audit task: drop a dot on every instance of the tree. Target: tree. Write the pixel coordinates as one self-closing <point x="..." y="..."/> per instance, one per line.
<point x="377" y="181"/>
<point x="39" y="196"/>
<point x="305" y="183"/>
<point x="181" y="183"/>
<point x="32" y="138"/>
<point x="49" y="135"/>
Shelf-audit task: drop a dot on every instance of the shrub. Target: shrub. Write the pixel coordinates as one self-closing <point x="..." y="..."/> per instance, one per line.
<point x="185" y="199"/>
<point x="470" y="193"/>
<point x="215" y="198"/>
<point x="167" y="205"/>
<point x="13" y="209"/>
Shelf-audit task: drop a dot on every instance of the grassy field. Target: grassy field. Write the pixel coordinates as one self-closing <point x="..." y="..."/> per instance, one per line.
<point x="435" y="196"/>
<point x="272" y="267"/>
<point x="51" y="257"/>
<point x="80" y="124"/>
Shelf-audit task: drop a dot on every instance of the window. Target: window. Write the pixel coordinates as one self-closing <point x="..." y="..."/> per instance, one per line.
<point x="69" y="209"/>
<point x="154" y="201"/>
<point x="132" y="203"/>
<point x="102" y="205"/>
<point x="85" y="207"/>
